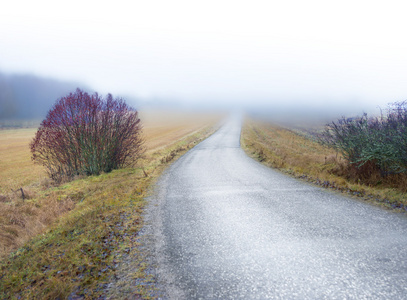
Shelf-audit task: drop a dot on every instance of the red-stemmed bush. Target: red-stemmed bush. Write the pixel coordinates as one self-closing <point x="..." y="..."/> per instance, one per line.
<point x="87" y="134"/>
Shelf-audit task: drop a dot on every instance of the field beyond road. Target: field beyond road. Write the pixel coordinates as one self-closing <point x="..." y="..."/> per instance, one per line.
<point x="69" y="239"/>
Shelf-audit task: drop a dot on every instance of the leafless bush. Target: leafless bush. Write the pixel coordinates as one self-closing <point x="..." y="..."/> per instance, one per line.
<point x="86" y="134"/>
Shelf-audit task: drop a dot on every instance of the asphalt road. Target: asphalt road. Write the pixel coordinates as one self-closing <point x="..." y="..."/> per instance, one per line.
<point x="226" y="227"/>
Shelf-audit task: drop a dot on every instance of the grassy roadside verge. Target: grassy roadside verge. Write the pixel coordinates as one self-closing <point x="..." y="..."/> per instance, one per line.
<point x="306" y="159"/>
<point x="80" y="252"/>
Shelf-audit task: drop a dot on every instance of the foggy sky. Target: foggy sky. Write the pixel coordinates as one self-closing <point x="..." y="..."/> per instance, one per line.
<point x="264" y="53"/>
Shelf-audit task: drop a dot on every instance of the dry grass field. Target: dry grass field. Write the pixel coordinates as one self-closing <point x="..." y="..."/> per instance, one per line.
<point x="299" y="155"/>
<point x="16" y="168"/>
<point x="162" y="128"/>
<point x="74" y="234"/>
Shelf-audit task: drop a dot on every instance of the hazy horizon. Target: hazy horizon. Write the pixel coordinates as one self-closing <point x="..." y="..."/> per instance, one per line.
<point x="314" y="55"/>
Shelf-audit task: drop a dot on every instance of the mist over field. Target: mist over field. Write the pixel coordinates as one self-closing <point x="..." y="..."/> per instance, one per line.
<point x="285" y="59"/>
<point x="29" y="97"/>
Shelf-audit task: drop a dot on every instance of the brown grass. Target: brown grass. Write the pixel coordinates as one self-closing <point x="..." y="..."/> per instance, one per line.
<point x="283" y="149"/>
<point x="302" y="157"/>
<point x="23" y="220"/>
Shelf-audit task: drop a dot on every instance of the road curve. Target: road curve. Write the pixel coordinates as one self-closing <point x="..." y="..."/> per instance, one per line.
<point x="224" y="226"/>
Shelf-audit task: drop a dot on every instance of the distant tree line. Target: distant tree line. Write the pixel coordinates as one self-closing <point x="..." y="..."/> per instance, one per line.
<point x="377" y="142"/>
<point x="29" y="96"/>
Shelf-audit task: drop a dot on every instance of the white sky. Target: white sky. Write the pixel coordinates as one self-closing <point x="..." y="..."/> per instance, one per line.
<point x="292" y="52"/>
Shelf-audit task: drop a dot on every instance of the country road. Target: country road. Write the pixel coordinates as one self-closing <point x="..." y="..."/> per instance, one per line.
<point x="223" y="226"/>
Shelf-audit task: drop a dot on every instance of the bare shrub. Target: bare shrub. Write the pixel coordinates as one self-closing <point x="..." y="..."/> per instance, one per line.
<point x="372" y="145"/>
<point x="85" y="135"/>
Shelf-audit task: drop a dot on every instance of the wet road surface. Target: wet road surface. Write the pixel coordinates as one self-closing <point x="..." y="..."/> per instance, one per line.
<point x="226" y="227"/>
